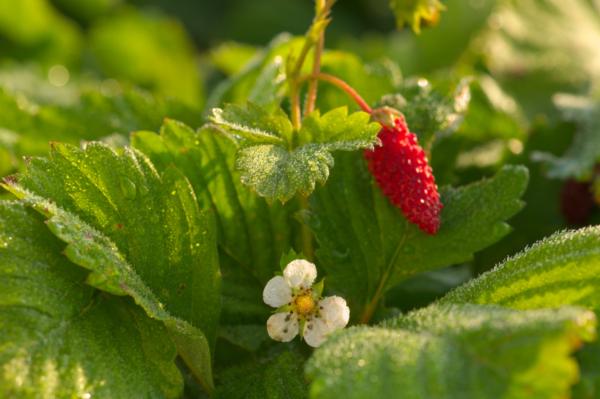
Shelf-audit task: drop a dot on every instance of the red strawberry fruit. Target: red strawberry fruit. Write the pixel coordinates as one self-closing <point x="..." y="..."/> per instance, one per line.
<point x="402" y="171"/>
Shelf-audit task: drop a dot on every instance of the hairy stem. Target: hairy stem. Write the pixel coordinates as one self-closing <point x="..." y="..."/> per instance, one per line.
<point x="311" y="96"/>
<point x="314" y="37"/>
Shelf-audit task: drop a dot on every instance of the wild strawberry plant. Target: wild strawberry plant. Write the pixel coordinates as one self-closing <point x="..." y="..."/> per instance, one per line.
<point x="292" y="240"/>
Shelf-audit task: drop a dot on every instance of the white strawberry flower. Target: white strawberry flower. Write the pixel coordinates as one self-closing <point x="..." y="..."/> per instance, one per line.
<point x="300" y="307"/>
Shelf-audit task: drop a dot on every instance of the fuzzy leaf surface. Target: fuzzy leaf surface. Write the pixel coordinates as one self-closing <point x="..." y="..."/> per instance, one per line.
<point x="139" y="233"/>
<point x="60" y="337"/>
<point x="278" y="163"/>
<point x="276" y="377"/>
<point x="366" y="245"/>
<point x="560" y="270"/>
<point x="468" y="351"/>
<point x="252" y="234"/>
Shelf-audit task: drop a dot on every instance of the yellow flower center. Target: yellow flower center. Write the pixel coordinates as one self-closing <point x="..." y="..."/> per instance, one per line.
<point x="304" y="304"/>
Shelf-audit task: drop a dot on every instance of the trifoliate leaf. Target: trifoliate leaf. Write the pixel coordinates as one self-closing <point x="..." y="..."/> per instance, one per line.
<point x="559" y="270"/>
<point x="579" y="160"/>
<point x="62" y="338"/>
<point x="138" y="233"/>
<point x="366" y="245"/>
<point x="277" y="162"/>
<point x="338" y="130"/>
<point x="416" y="12"/>
<point x="276" y="173"/>
<point x="275" y="377"/>
<point x="455" y="352"/>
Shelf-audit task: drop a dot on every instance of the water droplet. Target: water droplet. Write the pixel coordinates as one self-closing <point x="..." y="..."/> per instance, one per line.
<point x="128" y="188"/>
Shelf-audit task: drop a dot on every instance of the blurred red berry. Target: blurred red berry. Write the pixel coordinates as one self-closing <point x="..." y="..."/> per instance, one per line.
<point x="576" y="202"/>
<point x="402" y="171"/>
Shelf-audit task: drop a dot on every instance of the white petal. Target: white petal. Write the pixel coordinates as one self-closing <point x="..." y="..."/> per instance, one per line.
<point x="282" y="326"/>
<point x="334" y="311"/>
<point x="315" y="332"/>
<point x="300" y="273"/>
<point x="277" y="292"/>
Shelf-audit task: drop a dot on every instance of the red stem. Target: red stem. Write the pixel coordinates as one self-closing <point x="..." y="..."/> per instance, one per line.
<point x="345" y="87"/>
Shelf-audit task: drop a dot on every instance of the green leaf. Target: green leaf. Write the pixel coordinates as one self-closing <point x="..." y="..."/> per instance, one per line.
<point x="62" y="338"/>
<point x="139" y="234"/>
<point x="583" y="154"/>
<point x="492" y="107"/>
<point x="560" y="270"/>
<point x="588" y="358"/>
<point x="548" y="48"/>
<point x="30" y="117"/>
<point x="278" y="163"/>
<point x="416" y="12"/>
<point x="262" y="78"/>
<point x="366" y="245"/>
<point x="462" y="352"/>
<point x="430" y="111"/>
<point x="247" y="336"/>
<point x="158" y="54"/>
<point x="231" y="57"/>
<point x="253" y="124"/>
<point x="35" y="29"/>
<point x="275" y="377"/>
<point x="338" y="130"/>
<point x="252" y="233"/>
